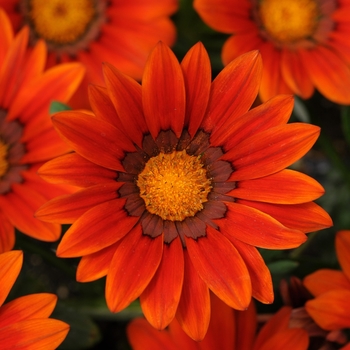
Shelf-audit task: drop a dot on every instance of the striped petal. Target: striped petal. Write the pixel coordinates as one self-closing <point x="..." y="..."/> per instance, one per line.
<point x="284" y="187"/>
<point x="258" y="229"/>
<point x="161" y="297"/>
<point x="342" y="246"/>
<point x="163" y="92"/>
<point x="213" y="257"/>
<point x="136" y="255"/>
<point x="7" y="234"/>
<point x="98" y="228"/>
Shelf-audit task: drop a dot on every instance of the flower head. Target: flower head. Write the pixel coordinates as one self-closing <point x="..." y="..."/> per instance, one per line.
<point x="330" y="309"/>
<point x="304" y="43"/>
<point x="27" y="137"/>
<point x="24" y="322"/>
<point x="228" y="330"/>
<point x="94" y="31"/>
<point x="180" y="184"/>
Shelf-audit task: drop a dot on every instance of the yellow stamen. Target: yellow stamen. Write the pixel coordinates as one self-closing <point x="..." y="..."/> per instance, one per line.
<point x="3" y="161"/>
<point x="61" y="21"/>
<point x="174" y="186"/>
<point x="289" y="21"/>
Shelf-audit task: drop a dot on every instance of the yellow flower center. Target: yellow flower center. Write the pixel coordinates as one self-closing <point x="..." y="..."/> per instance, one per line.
<point x="61" y="21"/>
<point x="3" y="159"/>
<point x="289" y="21"/>
<point x="174" y="186"/>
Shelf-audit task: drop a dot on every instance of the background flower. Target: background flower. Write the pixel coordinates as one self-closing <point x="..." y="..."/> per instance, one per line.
<point x="27" y="137"/>
<point x="25" y="322"/>
<point x="93" y="31"/>
<point x="191" y="189"/>
<point x="304" y="43"/>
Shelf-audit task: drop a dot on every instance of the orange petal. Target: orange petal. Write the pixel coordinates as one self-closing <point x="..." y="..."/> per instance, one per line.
<point x="57" y="83"/>
<point x="271" y="151"/>
<point x="258" y="229"/>
<point x="342" y="246"/>
<point x="324" y="280"/>
<point x="278" y="323"/>
<point x="69" y="208"/>
<point x="6" y="35"/>
<point x="10" y="266"/>
<point x="221" y="332"/>
<point x="295" y="74"/>
<point x="329" y="73"/>
<point x="180" y="338"/>
<point x="290" y="339"/>
<point x="284" y="187"/>
<point x="94" y="139"/>
<point x="213" y="257"/>
<point x="96" y="229"/>
<point x="278" y="110"/>
<point x="10" y="71"/>
<point x="223" y="15"/>
<point x="161" y="297"/>
<point x="262" y="288"/>
<point x="75" y="170"/>
<point x="34" y="334"/>
<point x="306" y="217"/>
<point x="20" y="205"/>
<point x="7" y="234"/>
<point x="193" y="313"/>
<point x="94" y="266"/>
<point x="102" y="105"/>
<point x="163" y="92"/>
<point x="125" y="94"/>
<point x="197" y="75"/>
<point x="27" y="307"/>
<point x="246" y="324"/>
<point x="142" y="336"/>
<point x="331" y="310"/>
<point x="233" y="91"/>
<point x="137" y="255"/>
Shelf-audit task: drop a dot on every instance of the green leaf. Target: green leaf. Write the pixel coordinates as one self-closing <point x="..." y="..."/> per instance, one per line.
<point x="56" y="106"/>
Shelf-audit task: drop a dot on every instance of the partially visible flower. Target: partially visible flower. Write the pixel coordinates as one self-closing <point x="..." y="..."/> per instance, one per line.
<point x="180" y="184"/>
<point x="331" y="307"/>
<point x="304" y="43"/>
<point x="25" y="322"/>
<point x="27" y="137"/>
<point x="228" y="330"/>
<point x="121" y="32"/>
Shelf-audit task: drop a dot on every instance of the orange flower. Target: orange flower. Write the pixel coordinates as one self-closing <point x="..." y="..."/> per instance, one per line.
<point x="24" y="322"/>
<point x="180" y="183"/>
<point x="93" y="31"/>
<point x="228" y="330"/>
<point x="304" y="43"/>
<point x="27" y="137"/>
<point x="331" y="309"/>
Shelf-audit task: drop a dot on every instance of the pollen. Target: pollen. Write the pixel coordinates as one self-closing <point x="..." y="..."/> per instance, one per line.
<point x="289" y="21"/>
<point x="3" y="159"/>
<point x="61" y="21"/>
<point x="174" y="186"/>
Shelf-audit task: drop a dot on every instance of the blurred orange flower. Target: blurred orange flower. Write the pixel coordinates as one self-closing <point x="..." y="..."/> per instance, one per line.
<point x="304" y="43"/>
<point x="331" y="308"/>
<point x="181" y="183"/>
<point x="228" y="330"/>
<point x="24" y="322"/>
<point x="93" y="31"/>
<point x="27" y="137"/>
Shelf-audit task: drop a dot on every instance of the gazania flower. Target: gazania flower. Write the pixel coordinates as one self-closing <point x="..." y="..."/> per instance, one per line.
<point x="27" y="137"/>
<point x="228" y="330"/>
<point x="24" y="322"/>
<point x="331" y="309"/>
<point x="180" y="183"/>
<point x="304" y="43"/>
<point x="93" y="31"/>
